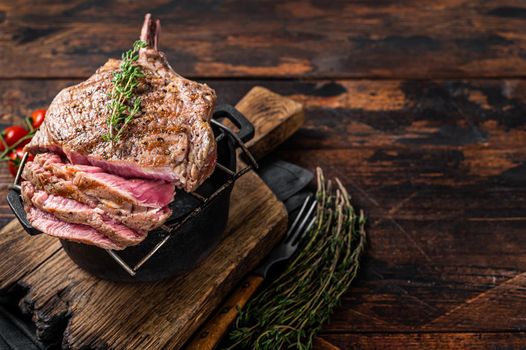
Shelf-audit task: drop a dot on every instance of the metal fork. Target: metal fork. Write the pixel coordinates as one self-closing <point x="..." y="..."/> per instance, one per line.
<point x="214" y="329"/>
<point x="283" y="251"/>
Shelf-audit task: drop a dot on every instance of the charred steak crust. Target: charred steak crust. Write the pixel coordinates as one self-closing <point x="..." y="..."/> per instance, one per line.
<point x="171" y="138"/>
<point x="111" y="193"/>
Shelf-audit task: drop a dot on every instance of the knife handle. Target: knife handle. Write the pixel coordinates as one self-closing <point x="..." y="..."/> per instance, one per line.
<point x="212" y="332"/>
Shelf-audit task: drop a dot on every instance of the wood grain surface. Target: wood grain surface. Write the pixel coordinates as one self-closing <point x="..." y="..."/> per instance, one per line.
<point x="271" y="38"/>
<point x="427" y="341"/>
<point x="216" y="327"/>
<point x="419" y="107"/>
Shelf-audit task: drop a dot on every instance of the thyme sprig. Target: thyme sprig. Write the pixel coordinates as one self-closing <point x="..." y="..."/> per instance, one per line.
<point x="124" y="106"/>
<point x="291" y="310"/>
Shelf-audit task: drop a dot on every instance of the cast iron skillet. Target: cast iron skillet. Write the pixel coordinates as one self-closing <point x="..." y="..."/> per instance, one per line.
<point x="189" y="244"/>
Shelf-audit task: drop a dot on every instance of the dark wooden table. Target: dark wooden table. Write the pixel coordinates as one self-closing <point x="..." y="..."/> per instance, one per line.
<point x="419" y="107"/>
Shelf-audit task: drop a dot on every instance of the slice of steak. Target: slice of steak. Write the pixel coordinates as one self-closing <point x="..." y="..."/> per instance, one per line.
<point x="170" y="139"/>
<point x="94" y="182"/>
<point x="140" y="218"/>
<point x="75" y="212"/>
<point x="52" y="226"/>
<point x="136" y="217"/>
<point x="139" y="192"/>
<point x="45" y="180"/>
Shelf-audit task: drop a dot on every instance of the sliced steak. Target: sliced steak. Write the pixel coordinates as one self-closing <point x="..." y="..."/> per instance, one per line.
<point x="51" y="225"/>
<point x="139" y="192"/>
<point x="75" y="212"/>
<point x="139" y="218"/>
<point x="45" y="180"/>
<point x="93" y="181"/>
<point x="171" y="139"/>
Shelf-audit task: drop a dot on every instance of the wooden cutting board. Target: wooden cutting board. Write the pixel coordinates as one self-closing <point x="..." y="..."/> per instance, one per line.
<point x="69" y="305"/>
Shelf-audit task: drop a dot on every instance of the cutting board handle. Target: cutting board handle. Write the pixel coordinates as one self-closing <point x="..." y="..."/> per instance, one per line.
<point x="275" y="119"/>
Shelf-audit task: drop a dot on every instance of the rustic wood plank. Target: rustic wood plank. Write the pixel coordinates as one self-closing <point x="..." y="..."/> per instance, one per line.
<point x="441" y="174"/>
<point x="66" y="302"/>
<point x="29" y="254"/>
<point x="213" y="330"/>
<point x="323" y="344"/>
<point x="359" y="113"/>
<point x="287" y="118"/>
<point x="410" y="39"/>
<point x="428" y="341"/>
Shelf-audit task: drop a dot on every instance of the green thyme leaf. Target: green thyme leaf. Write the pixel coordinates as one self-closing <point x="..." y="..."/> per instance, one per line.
<point x="289" y="312"/>
<point x="123" y="106"/>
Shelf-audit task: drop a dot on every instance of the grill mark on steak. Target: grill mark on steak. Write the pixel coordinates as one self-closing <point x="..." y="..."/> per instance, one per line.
<point x="170" y="139"/>
<point x="47" y="181"/>
<point x="112" y="193"/>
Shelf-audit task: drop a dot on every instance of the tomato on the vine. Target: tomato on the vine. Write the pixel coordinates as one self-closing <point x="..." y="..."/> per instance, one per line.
<point x="15" y="157"/>
<point x="37" y="117"/>
<point x="13" y="134"/>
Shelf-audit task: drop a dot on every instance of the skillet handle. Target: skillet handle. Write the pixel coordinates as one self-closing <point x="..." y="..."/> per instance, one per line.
<point x="246" y="129"/>
<point x="15" y="202"/>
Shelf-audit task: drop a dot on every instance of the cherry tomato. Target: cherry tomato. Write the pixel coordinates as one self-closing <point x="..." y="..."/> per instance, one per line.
<point x="37" y="117"/>
<point x="14" y="133"/>
<point x="11" y="165"/>
<point x="15" y="157"/>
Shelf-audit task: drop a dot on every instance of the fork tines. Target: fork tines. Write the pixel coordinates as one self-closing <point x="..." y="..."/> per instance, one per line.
<point x="297" y="229"/>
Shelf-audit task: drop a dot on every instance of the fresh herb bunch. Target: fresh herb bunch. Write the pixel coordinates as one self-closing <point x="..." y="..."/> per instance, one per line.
<point x="124" y="105"/>
<point x="291" y="310"/>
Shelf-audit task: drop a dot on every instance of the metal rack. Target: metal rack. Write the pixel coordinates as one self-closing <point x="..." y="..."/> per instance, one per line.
<point x="169" y="230"/>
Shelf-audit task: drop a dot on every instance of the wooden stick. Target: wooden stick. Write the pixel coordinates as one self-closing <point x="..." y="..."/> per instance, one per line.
<point x="213" y="331"/>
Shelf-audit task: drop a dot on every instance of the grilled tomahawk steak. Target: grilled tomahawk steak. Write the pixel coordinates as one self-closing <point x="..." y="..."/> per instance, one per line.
<point x="170" y="139"/>
<point x="110" y="194"/>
